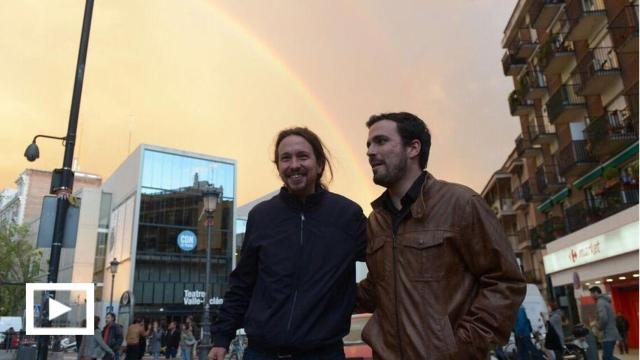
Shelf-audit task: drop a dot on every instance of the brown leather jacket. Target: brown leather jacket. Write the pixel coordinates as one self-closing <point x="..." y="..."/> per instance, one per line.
<point x="446" y="286"/>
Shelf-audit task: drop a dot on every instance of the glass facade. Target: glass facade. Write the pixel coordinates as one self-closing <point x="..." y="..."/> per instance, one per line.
<point x="166" y="277"/>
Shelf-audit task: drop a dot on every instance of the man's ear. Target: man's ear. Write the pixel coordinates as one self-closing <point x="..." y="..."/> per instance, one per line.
<point x="414" y="147"/>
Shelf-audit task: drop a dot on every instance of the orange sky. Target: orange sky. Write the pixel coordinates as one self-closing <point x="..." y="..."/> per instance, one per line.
<point x="223" y="77"/>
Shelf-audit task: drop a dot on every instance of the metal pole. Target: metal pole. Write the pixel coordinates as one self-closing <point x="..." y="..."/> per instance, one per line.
<point x="205" y="346"/>
<point x="113" y="279"/>
<point x="65" y="187"/>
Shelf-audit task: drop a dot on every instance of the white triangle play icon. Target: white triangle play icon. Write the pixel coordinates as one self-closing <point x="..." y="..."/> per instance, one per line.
<point x="57" y="308"/>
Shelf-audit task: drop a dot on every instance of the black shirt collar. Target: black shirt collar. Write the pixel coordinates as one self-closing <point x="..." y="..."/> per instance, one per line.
<point x="409" y="197"/>
<point x="294" y="202"/>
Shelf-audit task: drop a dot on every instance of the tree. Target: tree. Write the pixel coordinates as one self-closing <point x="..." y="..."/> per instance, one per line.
<point x="19" y="264"/>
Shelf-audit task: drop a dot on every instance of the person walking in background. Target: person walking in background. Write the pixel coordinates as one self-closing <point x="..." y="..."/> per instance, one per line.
<point x="134" y="332"/>
<point x="555" y="334"/>
<point x="142" y="345"/>
<point x="187" y="340"/>
<point x="623" y="328"/>
<point x="156" y="340"/>
<point x="112" y="335"/>
<point x="526" y="349"/>
<point x="172" y="340"/>
<point x="606" y="322"/>
<point x="93" y="346"/>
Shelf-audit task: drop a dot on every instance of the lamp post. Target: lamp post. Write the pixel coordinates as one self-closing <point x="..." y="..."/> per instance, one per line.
<point x="114" y="269"/>
<point x="62" y="179"/>
<point x="210" y="197"/>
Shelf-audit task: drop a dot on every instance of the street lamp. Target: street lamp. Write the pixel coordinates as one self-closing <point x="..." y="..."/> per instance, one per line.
<point x="114" y="269"/>
<point x="210" y="198"/>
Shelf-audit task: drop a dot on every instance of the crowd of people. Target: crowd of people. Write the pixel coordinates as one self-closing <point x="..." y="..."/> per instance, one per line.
<point x="157" y="338"/>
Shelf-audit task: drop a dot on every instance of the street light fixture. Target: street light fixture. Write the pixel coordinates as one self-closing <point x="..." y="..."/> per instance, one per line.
<point x="114" y="269"/>
<point x="210" y="197"/>
<point x="32" y="152"/>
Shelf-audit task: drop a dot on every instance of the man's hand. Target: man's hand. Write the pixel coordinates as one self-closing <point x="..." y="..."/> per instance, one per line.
<point x="217" y="353"/>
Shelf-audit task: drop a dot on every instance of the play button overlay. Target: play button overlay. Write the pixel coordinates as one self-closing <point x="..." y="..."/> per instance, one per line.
<point x="58" y="308"/>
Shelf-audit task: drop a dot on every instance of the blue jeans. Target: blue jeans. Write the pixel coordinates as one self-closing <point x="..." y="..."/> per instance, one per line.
<point x="251" y="354"/>
<point x="186" y="353"/>
<point x="607" y="350"/>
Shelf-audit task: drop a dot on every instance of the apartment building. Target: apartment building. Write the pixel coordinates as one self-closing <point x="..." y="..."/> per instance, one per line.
<point x="572" y="194"/>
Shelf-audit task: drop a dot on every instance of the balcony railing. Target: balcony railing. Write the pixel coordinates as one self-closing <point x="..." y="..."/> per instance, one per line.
<point x="612" y="131"/>
<point x="512" y="65"/>
<point x="518" y="104"/>
<point x="534" y="84"/>
<point x="597" y="68"/>
<point x="565" y="105"/>
<point x="523" y="237"/>
<point x="585" y="18"/>
<point x="522" y="194"/>
<point x="524" y="148"/>
<point x="574" y="158"/>
<point x="542" y="12"/>
<point x="624" y="29"/>
<point x="541" y="132"/>
<point x="556" y="53"/>
<point x="553" y="228"/>
<point x="525" y="44"/>
<point x="547" y="178"/>
<point x="601" y="207"/>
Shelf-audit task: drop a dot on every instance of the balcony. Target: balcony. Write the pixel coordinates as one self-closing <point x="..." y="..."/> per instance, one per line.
<point x="534" y="85"/>
<point x="514" y="166"/>
<point x="521" y="196"/>
<point x="612" y="131"/>
<point x="525" y="44"/>
<point x="524" y="239"/>
<point x="504" y="208"/>
<point x="542" y="133"/>
<point x="524" y="147"/>
<point x="518" y="105"/>
<point x="548" y="180"/>
<point x="599" y="68"/>
<point x="604" y="205"/>
<point x="624" y="30"/>
<point x="543" y="12"/>
<point x="553" y="228"/>
<point x="566" y="106"/>
<point x="512" y="65"/>
<point x="586" y="17"/>
<point x="574" y="159"/>
<point x="513" y="240"/>
<point x="556" y="54"/>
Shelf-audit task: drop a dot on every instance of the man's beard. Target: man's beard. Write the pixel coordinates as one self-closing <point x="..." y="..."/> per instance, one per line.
<point x="394" y="173"/>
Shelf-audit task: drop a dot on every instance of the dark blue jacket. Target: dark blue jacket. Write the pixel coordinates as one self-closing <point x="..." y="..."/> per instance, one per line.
<point x="294" y="286"/>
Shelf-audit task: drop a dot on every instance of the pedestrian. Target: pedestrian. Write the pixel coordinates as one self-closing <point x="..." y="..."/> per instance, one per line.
<point x="187" y="340"/>
<point x="443" y="281"/>
<point x="294" y="287"/>
<point x="93" y="346"/>
<point x="134" y="332"/>
<point x="623" y="328"/>
<point x="112" y="336"/>
<point x="156" y="340"/>
<point x="525" y="348"/>
<point x="142" y="345"/>
<point x="172" y="340"/>
<point x="606" y="322"/>
<point x="554" y="339"/>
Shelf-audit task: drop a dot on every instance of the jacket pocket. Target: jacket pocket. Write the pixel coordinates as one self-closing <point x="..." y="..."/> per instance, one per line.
<point x="423" y="254"/>
<point x="377" y="257"/>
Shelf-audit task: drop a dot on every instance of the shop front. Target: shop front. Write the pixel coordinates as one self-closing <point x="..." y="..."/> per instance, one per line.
<point x="604" y="254"/>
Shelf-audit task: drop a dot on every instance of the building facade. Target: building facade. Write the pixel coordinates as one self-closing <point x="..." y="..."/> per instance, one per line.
<point x="574" y="169"/>
<point x="155" y="200"/>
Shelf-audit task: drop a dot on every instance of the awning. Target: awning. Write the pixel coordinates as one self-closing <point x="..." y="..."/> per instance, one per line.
<point x="613" y="163"/>
<point x="555" y="199"/>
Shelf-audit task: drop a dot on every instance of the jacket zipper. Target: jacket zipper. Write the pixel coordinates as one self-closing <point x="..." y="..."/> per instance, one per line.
<point x="295" y="294"/>
<point x="395" y="293"/>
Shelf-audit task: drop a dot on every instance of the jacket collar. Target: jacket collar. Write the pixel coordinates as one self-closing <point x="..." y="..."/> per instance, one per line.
<point x="295" y="203"/>
<point x="418" y="208"/>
